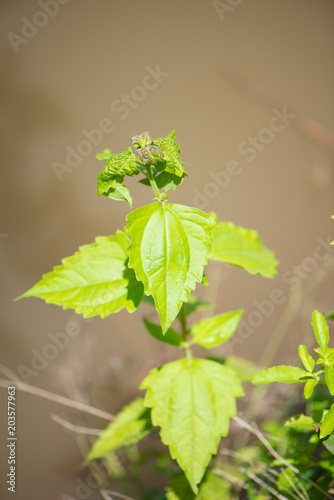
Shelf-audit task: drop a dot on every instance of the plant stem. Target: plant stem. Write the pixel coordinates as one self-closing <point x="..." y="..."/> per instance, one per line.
<point x="152" y="182"/>
<point x="183" y="318"/>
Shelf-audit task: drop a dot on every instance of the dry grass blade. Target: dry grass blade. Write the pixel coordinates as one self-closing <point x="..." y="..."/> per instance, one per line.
<point x="276" y="455"/>
<point x="260" y="482"/>
<point x="106" y="495"/>
<point x="74" y="428"/>
<point x="21" y="386"/>
<point x="304" y="497"/>
<point x="229" y="477"/>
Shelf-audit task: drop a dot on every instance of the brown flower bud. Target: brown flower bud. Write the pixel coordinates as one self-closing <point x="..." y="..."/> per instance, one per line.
<point x="141" y="140"/>
<point x="150" y="154"/>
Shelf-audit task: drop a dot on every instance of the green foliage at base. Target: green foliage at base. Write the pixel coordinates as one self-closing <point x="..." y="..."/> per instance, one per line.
<point x="325" y="376"/>
<point x="192" y="401"/>
<point x="213" y="487"/>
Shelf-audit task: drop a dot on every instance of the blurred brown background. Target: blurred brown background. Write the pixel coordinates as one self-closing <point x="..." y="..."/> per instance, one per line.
<point x="67" y="75"/>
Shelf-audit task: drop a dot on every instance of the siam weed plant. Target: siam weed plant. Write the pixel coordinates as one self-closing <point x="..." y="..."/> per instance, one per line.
<point x="308" y="439"/>
<point x="160" y="257"/>
<point x="322" y="419"/>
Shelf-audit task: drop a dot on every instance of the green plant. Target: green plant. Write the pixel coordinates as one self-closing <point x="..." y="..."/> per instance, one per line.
<point x="160" y="257"/>
<point x="306" y="441"/>
<point x="323" y="420"/>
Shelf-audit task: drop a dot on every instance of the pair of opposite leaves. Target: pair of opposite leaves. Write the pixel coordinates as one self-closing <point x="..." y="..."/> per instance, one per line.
<point x="170" y="244"/>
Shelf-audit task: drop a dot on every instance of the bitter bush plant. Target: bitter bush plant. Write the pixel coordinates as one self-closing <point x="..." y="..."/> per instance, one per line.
<point x="160" y="256"/>
<point x="322" y="419"/>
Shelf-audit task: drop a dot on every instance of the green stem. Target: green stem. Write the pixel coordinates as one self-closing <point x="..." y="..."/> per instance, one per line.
<point x="183" y="318"/>
<point x="152" y="182"/>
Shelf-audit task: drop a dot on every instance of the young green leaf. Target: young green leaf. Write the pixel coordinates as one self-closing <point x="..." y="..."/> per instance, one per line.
<point x="306" y="358"/>
<point x="110" y="179"/>
<point x="330" y="315"/>
<point x="171" y="336"/>
<point x="167" y="181"/>
<point x="169" y="249"/>
<point x="327" y="426"/>
<point x="302" y="423"/>
<point x="286" y="374"/>
<point x="105" y="184"/>
<point x="192" y="402"/>
<point x="171" y="152"/>
<point x="95" y="281"/>
<point x="114" y="189"/>
<point x="330" y="356"/>
<point x="121" y="192"/>
<point x="243" y="248"/>
<point x="321" y="359"/>
<point x="321" y="330"/>
<point x="211" y="332"/>
<point x="105" y="155"/>
<point x="309" y="388"/>
<point x="329" y="378"/>
<point x="328" y="443"/>
<point x="131" y="425"/>
<point x="122" y="164"/>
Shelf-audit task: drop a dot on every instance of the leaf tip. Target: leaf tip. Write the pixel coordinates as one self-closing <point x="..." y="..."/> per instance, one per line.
<point x="24" y="295"/>
<point x="16" y="299"/>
